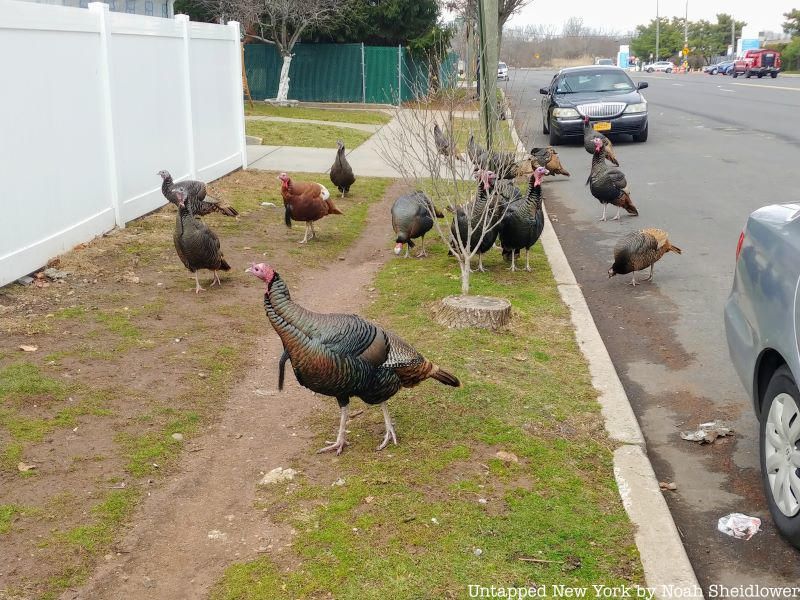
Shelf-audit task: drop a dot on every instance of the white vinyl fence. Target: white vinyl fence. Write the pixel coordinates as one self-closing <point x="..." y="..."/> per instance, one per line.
<point x="94" y="104"/>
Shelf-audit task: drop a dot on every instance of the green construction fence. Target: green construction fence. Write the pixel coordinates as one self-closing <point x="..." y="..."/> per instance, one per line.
<point x="344" y="73"/>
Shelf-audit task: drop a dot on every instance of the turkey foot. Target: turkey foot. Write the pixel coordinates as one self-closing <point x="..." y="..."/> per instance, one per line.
<point x="340" y="442"/>
<point x="617" y="217"/>
<point x="480" y="264"/>
<point x="603" y="218"/>
<point x="649" y="277"/>
<point x="216" y="280"/>
<point x="390" y="434"/>
<point x="305" y="237"/>
<point x="421" y="254"/>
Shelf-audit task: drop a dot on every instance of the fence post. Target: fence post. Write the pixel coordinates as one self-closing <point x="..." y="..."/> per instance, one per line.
<point x="238" y="86"/>
<point x="363" y="76"/>
<point x="399" y="75"/>
<point x="187" y="93"/>
<point x="101" y="10"/>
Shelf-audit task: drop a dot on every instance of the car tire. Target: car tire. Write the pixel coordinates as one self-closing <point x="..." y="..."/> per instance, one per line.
<point x="713" y="71"/>
<point x="735" y="74"/>
<point x="545" y="129"/>
<point x="650" y="70"/>
<point x="641" y="137"/>
<point x="773" y="74"/>
<point x="668" y="71"/>
<point x="779" y="441"/>
<point x="760" y="75"/>
<point x="555" y="139"/>
<point x="748" y="74"/>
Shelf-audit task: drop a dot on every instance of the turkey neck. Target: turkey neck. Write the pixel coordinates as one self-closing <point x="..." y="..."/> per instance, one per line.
<point x="598" y="163"/>
<point x="290" y="320"/>
<point x="534" y="197"/>
<point x="166" y="185"/>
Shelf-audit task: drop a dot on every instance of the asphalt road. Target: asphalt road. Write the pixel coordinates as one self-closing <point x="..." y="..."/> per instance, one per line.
<point x="718" y="149"/>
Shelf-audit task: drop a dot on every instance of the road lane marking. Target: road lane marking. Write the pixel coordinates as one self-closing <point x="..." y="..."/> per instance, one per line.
<point x="771" y="87"/>
<point x="722" y="89"/>
<point x="678" y="84"/>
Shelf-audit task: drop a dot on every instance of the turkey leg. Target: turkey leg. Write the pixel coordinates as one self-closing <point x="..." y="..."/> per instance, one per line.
<point x="313" y="233"/>
<point x="513" y="266"/>
<point x="650" y="277"/>
<point x="633" y="280"/>
<point x="216" y="280"/>
<point x="197" y="288"/>
<point x="527" y="259"/>
<point x="340" y="442"/>
<point x="390" y="435"/>
<point x="305" y="237"/>
<point x="422" y="252"/>
<point x="619" y="208"/>
<point x="603" y="218"/>
<point x="480" y="263"/>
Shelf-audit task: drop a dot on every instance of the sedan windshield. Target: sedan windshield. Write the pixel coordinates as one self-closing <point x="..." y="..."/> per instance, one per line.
<point x="607" y="80"/>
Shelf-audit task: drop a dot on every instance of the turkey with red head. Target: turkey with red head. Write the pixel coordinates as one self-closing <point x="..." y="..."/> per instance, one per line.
<point x="608" y="184"/>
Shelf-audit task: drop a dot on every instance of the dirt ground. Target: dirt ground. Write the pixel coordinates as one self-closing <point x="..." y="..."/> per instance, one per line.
<point x="125" y="399"/>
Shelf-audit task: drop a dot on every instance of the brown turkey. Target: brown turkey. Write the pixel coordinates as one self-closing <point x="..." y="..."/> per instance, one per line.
<point x="343" y="355"/>
<point x="638" y="250"/>
<point x="608" y="184"/>
<point x="305" y="201"/>
<point x="199" y="203"/>
<point x="341" y="171"/>
<point x="197" y="246"/>
<point x="589" y="134"/>
<point x="549" y="159"/>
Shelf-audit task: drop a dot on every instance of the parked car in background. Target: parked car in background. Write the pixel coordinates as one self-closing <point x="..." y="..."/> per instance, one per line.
<point x="604" y="61"/>
<point x="762" y="325"/>
<point x="759" y="63"/>
<point x="502" y="71"/>
<point x="606" y="95"/>
<point x="662" y="65"/>
<point x="723" y="68"/>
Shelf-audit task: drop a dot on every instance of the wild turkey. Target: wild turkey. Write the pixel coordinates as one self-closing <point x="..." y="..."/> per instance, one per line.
<point x="412" y="218"/>
<point x="474" y="151"/>
<point x="341" y="172"/>
<point x="478" y="221"/>
<point x="588" y="141"/>
<point x="523" y="221"/>
<point x="609" y="185"/>
<point x="638" y="250"/>
<point x="197" y="246"/>
<point x="549" y="159"/>
<point x="343" y="355"/>
<point x="305" y="201"/>
<point x="505" y="165"/>
<point x="444" y="145"/>
<point x="199" y="203"/>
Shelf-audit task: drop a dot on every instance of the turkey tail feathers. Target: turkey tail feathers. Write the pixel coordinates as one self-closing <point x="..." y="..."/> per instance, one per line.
<point x="332" y="208"/>
<point x="228" y="211"/>
<point x="444" y="377"/>
<point x="674" y="249"/>
<point x="287" y="215"/>
<point x="625" y="202"/>
<point x="224" y="266"/>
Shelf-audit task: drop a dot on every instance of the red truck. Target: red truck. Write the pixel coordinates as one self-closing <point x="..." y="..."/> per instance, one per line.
<point x="759" y="63"/>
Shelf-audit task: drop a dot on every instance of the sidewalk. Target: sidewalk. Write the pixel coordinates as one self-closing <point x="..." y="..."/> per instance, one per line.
<point x="402" y="137"/>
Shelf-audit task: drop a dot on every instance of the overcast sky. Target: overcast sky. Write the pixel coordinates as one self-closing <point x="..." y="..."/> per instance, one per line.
<point x="624" y="15"/>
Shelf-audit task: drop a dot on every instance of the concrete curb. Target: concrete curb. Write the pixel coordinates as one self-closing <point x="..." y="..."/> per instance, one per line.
<point x="666" y="566"/>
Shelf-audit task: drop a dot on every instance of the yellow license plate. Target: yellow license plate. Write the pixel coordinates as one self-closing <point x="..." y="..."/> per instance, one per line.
<point x="602" y="126"/>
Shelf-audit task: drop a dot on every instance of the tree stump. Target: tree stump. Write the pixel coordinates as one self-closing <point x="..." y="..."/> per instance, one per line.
<point x="460" y="312"/>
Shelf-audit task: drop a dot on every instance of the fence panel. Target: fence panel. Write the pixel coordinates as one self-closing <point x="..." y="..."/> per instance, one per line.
<point x="382" y="74"/>
<point x="53" y="160"/>
<point x="326" y="73"/>
<point x="82" y="145"/>
<point x="263" y="65"/>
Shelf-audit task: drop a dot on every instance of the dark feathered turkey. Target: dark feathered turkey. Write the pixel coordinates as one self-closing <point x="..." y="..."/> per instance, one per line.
<point x="638" y="250"/>
<point x="196" y="198"/>
<point x="478" y="221"/>
<point x="444" y="145"/>
<point x="588" y="141"/>
<point x="341" y="172"/>
<point x="343" y="356"/>
<point x="197" y="246"/>
<point x="523" y="221"/>
<point x="505" y="165"/>
<point x="549" y="159"/>
<point x="412" y="217"/>
<point x="608" y="184"/>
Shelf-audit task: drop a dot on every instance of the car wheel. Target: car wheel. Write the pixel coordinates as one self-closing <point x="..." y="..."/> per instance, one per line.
<point x="774" y="74"/>
<point x="735" y="74"/>
<point x="779" y="435"/>
<point x="650" y="70"/>
<point x="713" y="71"/>
<point x="641" y="137"/>
<point x="747" y="74"/>
<point x="669" y="70"/>
<point x="760" y="75"/>
<point x="545" y="129"/>
<point x="555" y="139"/>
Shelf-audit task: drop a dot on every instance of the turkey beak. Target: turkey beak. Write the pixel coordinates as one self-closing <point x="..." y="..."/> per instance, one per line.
<point x="250" y="268"/>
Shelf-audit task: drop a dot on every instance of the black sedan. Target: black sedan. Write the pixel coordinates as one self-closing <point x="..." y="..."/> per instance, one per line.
<point x="606" y="95"/>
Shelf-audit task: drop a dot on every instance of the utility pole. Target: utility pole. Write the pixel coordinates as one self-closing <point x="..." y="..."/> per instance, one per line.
<point x="686" y="26"/>
<point x="733" y="35"/>
<point x="487" y="51"/>
<point x="658" y="32"/>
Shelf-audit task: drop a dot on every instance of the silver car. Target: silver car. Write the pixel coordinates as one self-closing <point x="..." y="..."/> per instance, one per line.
<point x="761" y="322"/>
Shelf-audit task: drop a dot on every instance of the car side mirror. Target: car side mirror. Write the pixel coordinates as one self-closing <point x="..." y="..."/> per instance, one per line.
<point x="544" y="91"/>
<point x="641" y="85"/>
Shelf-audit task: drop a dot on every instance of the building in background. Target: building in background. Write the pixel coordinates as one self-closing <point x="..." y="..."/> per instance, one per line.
<point x="151" y="8"/>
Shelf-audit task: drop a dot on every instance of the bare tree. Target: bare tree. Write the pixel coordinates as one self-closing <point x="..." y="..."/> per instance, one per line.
<point x="505" y="10"/>
<point x="278" y="22"/>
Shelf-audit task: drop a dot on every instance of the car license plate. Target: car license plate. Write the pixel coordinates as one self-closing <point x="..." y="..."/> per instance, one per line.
<point x="602" y="126"/>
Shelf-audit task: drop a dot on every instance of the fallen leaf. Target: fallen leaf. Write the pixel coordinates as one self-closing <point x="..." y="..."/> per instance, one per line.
<point x="369" y="499"/>
<point x="25" y="348"/>
<point x="24" y="468"/>
<point x="664" y="485"/>
<point x="507" y="457"/>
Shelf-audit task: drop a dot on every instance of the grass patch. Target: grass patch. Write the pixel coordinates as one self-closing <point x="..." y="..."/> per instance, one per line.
<point x="148" y="453"/>
<point x="10" y="457"/>
<point x="365" y="117"/>
<point x="462" y="127"/>
<point x="109" y="515"/>
<point x="34" y="429"/>
<point x="7" y="514"/>
<point x="406" y="512"/>
<point x="308" y="135"/>
<point x="24" y="379"/>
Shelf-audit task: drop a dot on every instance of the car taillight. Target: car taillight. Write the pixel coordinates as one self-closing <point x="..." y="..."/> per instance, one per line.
<point x="739" y="245"/>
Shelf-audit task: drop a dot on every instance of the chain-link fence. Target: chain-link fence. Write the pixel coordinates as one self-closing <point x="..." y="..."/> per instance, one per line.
<point x="344" y="73"/>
